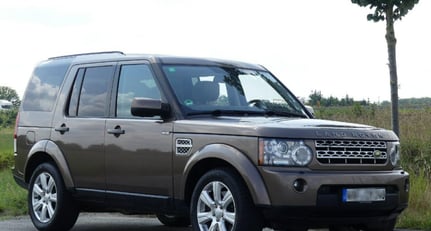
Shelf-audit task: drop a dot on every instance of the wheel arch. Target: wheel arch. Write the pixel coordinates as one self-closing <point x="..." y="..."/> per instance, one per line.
<point x="47" y="151"/>
<point x="220" y="155"/>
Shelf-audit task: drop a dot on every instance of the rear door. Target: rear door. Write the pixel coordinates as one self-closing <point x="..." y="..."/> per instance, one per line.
<point x="138" y="149"/>
<point x="79" y="128"/>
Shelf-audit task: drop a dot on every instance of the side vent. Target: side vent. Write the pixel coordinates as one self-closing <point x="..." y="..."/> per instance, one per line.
<point x="183" y="146"/>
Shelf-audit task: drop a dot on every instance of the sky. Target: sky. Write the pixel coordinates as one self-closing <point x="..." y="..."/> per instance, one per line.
<point x="327" y="46"/>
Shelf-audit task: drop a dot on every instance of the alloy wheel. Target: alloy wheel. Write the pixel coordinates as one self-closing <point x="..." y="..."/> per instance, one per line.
<point x="44" y="197"/>
<point x="216" y="209"/>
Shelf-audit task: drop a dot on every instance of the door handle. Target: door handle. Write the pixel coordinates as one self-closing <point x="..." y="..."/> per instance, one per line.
<point x="117" y="131"/>
<point x="62" y="129"/>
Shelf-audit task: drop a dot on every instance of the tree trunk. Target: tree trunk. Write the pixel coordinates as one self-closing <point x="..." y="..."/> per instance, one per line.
<point x="392" y="41"/>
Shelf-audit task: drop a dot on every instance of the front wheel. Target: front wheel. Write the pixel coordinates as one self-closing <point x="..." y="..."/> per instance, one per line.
<point x="220" y="201"/>
<point x="51" y="206"/>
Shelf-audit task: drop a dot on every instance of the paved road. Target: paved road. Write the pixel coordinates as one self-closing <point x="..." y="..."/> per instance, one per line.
<point x="97" y="222"/>
<point x="102" y="222"/>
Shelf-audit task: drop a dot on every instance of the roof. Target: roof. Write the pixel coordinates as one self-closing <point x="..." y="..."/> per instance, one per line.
<point x="163" y="59"/>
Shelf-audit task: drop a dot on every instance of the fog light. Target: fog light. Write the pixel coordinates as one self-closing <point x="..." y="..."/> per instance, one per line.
<point x="300" y="185"/>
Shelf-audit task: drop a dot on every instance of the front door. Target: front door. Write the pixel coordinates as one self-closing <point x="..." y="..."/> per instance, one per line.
<point x="138" y="149"/>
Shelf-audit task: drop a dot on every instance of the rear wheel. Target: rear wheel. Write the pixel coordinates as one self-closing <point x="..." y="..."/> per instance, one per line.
<point x="220" y="201"/>
<point x="174" y="220"/>
<point x="51" y="206"/>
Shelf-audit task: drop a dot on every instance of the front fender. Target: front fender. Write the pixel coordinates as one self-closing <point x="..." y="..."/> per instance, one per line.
<point x="237" y="160"/>
<point x="53" y="151"/>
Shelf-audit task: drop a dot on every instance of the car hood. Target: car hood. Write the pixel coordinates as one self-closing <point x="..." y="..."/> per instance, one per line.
<point x="280" y="127"/>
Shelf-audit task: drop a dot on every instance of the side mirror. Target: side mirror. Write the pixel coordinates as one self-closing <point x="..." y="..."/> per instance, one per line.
<point x="310" y="109"/>
<point x="146" y="107"/>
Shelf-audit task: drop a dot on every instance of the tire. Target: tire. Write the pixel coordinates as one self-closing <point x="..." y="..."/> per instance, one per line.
<point x="50" y="205"/>
<point x="221" y="201"/>
<point x="174" y="220"/>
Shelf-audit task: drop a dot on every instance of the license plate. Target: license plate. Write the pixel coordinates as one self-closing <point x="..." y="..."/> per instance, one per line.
<point x="364" y="194"/>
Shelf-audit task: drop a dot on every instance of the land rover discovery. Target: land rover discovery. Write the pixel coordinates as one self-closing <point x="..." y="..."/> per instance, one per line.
<point x="215" y="144"/>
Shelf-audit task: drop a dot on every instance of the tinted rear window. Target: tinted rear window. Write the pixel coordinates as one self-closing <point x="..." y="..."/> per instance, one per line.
<point x="90" y="92"/>
<point x="93" y="100"/>
<point x="44" y="85"/>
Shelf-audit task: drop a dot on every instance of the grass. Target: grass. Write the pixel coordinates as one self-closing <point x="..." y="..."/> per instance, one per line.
<point x="12" y="196"/>
<point x="418" y="214"/>
<point x="415" y="127"/>
<point x="6" y="147"/>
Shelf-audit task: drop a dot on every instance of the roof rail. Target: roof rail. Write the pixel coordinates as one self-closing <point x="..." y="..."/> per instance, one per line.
<point x="91" y="53"/>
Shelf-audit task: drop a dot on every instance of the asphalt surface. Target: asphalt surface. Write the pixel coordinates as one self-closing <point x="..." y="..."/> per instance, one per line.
<point x="96" y="222"/>
<point x="104" y="222"/>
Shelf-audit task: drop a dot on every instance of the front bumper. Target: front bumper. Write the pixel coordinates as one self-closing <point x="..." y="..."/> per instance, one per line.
<point x="315" y="217"/>
<point x="320" y="198"/>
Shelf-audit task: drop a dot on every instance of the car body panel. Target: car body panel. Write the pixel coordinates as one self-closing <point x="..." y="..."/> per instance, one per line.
<point x="85" y="150"/>
<point x="137" y="162"/>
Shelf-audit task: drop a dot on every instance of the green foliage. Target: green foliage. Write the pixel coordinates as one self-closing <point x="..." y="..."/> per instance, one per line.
<point x="316" y="98"/>
<point x="7" y="118"/>
<point x="12" y="196"/>
<point x="364" y="114"/>
<point x="10" y="94"/>
<point x="398" y="8"/>
<point x="411" y="103"/>
<point x="418" y="214"/>
<point x="6" y="148"/>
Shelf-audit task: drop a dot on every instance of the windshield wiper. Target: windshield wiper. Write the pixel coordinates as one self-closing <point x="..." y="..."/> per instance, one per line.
<point x="219" y="112"/>
<point x="284" y="113"/>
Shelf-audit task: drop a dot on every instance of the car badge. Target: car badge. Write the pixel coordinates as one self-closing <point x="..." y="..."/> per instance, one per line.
<point x="377" y="154"/>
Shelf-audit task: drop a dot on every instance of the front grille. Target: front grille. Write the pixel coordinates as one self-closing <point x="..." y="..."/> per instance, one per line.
<point x="351" y="152"/>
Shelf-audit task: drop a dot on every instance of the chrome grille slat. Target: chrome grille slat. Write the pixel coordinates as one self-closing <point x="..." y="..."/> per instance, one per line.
<point x="353" y="152"/>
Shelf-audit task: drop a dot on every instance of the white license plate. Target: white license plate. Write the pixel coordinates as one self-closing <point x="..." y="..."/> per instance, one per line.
<point x="364" y="194"/>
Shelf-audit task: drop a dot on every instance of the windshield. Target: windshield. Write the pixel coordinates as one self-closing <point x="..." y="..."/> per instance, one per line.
<point x="226" y="90"/>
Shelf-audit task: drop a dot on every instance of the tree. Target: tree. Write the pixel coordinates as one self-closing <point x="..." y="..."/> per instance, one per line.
<point x="315" y="98"/>
<point x="390" y="10"/>
<point x="10" y="94"/>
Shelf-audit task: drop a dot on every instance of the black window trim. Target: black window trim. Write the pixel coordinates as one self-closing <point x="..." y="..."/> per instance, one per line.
<point x="76" y="69"/>
<point x="115" y="85"/>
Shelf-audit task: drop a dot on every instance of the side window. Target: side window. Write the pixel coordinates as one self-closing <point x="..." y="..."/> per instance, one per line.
<point x="89" y="96"/>
<point x="136" y="80"/>
<point x="44" y="86"/>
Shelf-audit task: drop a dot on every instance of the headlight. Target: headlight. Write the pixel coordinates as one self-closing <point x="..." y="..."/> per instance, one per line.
<point x="395" y="154"/>
<point x="280" y="152"/>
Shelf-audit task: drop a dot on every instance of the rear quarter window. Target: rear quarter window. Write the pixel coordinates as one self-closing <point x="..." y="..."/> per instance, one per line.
<point x="44" y="85"/>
